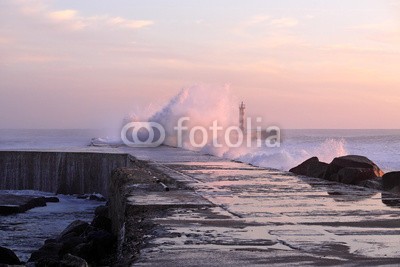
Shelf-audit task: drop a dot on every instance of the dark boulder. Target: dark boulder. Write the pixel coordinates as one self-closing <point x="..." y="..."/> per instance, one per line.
<point x="101" y="211"/>
<point x="391" y="182"/>
<point x="52" y="199"/>
<point x="391" y="200"/>
<point x="35" y="202"/>
<point x="311" y="167"/>
<point x="355" y="175"/>
<point x="317" y="169"/>
<point x="47" y="255"/>
<point x="102" y="222"/>
<point x="84" y="251"/>
<point x="69" y="243"/>
<point x="351" y="161"/>
<point x="73" y="261"/>
<point x="7" y="256"/>
<point x="96" y="197"/>
<point x="10" y="204"/>
<point x="50" y="240"/>
<point x="303" y="167"/>
<point x="7" y="210"/>
<point x="374" y="183"/>
<point x="75" y="228"/>
<point x="102" y="242"/>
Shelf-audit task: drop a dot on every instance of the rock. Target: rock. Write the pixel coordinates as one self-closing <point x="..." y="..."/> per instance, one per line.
<point x="375" y="183"/>
<point x="391" y="182"/>
<point x="311" y="167"/>
<point x="84" y="251"/>
<point x="97" y="197"/>
<point x="7" y="256"/>
<point x="101" y="211"/>
<point x="11" y="204"/>
<point x="355" y="175"/>
<point x="73" y="261"/>
<point x="70" y="243"/>
<point x="302" y="169"/>
<point x="50" y="240"/>
<point x="102" y="242"/>
<point x="351" y="161"/>
<point x="75" y="228"/>
<point x="8" y="210"/>
<point x="47" y="262"/>
<point x="391" y="200"/>
<point x="52" y="199"/>
<point x="317" y="169"/>
<point x="66" y="237"/>
<point x="102" y="222"/>
<point x="47" y="255"/>
<point x="351" y="169"/>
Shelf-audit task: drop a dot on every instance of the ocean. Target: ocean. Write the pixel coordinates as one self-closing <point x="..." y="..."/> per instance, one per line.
<point x="26" y="232"/>
<point x="381" y="146"/>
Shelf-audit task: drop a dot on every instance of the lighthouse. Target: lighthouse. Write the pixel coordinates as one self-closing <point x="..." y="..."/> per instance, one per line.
<point x="242" y="107"/>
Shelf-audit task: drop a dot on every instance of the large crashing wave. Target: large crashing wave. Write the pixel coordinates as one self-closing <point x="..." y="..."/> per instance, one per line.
<point x="203" y="105"/>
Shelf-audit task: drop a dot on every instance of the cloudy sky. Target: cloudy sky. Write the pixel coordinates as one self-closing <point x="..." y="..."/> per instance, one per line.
<point x="301" y="64"/>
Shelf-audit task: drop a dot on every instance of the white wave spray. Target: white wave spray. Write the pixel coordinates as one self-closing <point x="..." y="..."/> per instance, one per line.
<point x="204" y="104"/>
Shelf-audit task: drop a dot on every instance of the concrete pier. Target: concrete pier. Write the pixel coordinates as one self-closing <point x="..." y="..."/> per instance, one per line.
<point x="223" y="213"/>
<point x="244" y="215"/>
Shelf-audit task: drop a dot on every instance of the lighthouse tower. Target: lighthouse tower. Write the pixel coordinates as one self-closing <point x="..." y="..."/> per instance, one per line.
<point x="242" y="107"/>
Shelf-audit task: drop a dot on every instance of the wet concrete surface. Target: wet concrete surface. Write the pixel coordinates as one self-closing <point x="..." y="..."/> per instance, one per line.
<point x="234" y="214"/>
<point x="263" y="217"/>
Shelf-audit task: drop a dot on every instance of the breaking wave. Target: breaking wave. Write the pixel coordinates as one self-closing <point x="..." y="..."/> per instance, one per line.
<point x="203" y="105"/>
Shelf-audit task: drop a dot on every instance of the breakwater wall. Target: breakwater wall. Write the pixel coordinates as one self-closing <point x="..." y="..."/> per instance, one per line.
<point x="60" y="172"/>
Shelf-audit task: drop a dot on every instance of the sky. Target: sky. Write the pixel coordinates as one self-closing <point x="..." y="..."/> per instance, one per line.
<point x="300" y="64"/>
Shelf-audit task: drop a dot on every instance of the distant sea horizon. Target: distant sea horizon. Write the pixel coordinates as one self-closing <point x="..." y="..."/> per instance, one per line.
<point x="380" y="145"/>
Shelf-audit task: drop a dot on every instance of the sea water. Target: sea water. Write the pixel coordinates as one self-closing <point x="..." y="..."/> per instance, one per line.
<point x="381" y="146"/>
<point x="26" y="232"/>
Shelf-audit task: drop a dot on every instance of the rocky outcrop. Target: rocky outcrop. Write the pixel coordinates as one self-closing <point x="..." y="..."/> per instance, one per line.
<point x="59" y="172"/>
<point x="11" y="204"/>
<point x="391" y="181"/>
<point x="73" y="261"/>
<point x="80" y="244"/>
<point x="391" y="200"/>
<point x="351" y="169"/>
<point x="311" y="167"/>
<point x="76" y="228"/>
<point x="374" y="183"/>
<point x="357" y="169"/>
<point x="8" y="257"/>
<point x="97" y="197"/>
<point x="353" y="175"/>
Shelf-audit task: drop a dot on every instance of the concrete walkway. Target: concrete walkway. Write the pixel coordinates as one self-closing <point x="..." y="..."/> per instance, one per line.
<point x="246" y="216"/>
